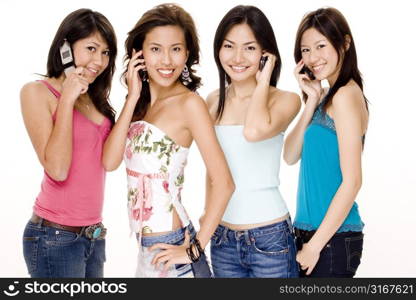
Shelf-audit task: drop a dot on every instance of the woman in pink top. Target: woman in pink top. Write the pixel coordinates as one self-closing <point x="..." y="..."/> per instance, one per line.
<point x="68" y="118"/>
<point x="161" y="117"/>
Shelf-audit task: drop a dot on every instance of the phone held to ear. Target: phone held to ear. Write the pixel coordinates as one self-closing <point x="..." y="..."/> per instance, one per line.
<point x="263" y="60"/>
<point x="67" y="58"/>
<point x="143" y="73"/>
<point x="308" y="72"/>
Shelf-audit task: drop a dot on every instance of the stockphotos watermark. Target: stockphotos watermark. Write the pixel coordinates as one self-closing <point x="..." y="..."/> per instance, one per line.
<point x="71" y="289"/>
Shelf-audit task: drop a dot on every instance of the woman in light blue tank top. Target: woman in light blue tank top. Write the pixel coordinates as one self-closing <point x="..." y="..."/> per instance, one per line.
<point x="328" y="139"/>
<point x="255" y="237"/>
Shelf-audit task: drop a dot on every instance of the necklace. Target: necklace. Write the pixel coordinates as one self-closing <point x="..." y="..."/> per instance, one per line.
<point x="87" y="105"/>
<point x="84" y="104"/>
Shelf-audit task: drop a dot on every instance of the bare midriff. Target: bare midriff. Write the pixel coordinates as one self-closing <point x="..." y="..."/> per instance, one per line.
<point x="251" y="226"/>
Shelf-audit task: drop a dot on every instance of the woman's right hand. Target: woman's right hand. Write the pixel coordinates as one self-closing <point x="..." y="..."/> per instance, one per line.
<point x="134" y="81"/>
<point x="74" y="85"/>
<point x="312" y="88"/>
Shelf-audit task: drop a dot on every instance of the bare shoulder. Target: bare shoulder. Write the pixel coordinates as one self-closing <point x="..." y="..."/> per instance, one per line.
<point x="212" y="99"/>
<point x="347" y="97"/>
<point x="190" y="102"/>
<point x="34" y="91"/>
<point x="279" y="96"/>
<point x="212" y="102"/>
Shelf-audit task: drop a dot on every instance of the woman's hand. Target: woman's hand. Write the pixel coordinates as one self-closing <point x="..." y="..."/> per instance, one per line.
<point x="312" y="88"/>
<point x="134" y="81"/>
<point x="265" y="74"/>
<point x="171" y="254"/>
<point x="74" y="85"/>
<point x="308" y="257"/>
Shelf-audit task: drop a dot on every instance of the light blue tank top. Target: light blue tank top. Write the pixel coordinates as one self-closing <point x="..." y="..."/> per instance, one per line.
<point x="255" y="169"/>
<point x="320" y="176"/>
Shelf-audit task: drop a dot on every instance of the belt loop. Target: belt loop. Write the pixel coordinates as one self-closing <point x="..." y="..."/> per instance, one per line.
<point x="40" y="222"/>
<point x="81" y="233"/>
<point x="247" y="237"/>
<point x="39" y="225"/>
<point x="224" y="236"/>
<point x="191" y="230"/>
<point x="289" y="224"/>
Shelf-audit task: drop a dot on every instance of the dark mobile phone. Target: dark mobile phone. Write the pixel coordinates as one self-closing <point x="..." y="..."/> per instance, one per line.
<point x="263" y="60"/>
<point x="307" y="71"/>
<point x="143" y="73"/>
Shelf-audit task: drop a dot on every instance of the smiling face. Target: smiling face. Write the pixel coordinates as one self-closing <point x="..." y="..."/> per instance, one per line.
<point x="165" y="54"/>
<point x="240" y="53"/>
<point x="91" y="53"/>
<point x="319" y="55"/>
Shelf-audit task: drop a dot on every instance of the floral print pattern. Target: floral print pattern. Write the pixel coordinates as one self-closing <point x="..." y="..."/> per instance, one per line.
<point x="138" y="137"/>
<point x="166" y="186"/>
<point x="155" y="167"/>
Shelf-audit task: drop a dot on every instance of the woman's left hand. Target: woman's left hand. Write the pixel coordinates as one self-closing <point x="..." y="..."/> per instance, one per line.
<point x="267" y="70"/>
<point x="171" y="254"/>
<point x="307" y="258"/>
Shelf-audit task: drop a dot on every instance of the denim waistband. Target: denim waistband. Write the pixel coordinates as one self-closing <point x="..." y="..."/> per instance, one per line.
<point x="168" y="238"/>
<point x="306" y="235"/>
<point x="258" y="231"/>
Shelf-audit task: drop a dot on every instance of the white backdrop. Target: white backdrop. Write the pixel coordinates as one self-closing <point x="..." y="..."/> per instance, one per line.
<point x="383" y="32"/>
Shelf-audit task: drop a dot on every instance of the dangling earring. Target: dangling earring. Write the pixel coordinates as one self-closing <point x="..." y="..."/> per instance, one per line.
<point x="186" y="79"/>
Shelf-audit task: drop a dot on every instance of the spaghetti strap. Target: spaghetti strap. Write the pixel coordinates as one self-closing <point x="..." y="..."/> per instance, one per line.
<point x="51" y="88"/>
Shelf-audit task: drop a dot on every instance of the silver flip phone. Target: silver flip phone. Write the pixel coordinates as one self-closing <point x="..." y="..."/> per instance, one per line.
<point x="67" y="58"/>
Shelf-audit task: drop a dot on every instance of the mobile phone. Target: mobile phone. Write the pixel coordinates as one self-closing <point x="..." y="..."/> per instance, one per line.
<point x="67" y="58"/>
<point x="308" y="72"/>
<point x="143" y="73"/>
<point x="263" y="60"/>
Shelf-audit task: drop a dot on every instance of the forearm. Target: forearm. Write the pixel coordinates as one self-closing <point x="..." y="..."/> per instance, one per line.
<point x="294" y="141"/>
<point x="258" y="115"/>
<point x="58" y="151"/>
<point x="115" y="144"/>
<point x="336" y="214"/>
<point x="217" y="196"/>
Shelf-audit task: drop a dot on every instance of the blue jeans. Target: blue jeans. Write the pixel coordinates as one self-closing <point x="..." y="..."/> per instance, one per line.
<point x="56" y="253"/>
<point x="199" y="269"/>
<point x="340" y="257"/>
<point x="267" y="251"/>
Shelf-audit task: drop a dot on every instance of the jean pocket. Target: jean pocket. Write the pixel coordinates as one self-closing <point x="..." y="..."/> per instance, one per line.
<point x="354" y="249"/>
<point x="272" y="244"/>
<point x="58" y="237"/>
<point x="30" y="252"/>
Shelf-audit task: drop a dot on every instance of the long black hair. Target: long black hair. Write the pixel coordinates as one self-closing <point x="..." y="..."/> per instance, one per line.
<point x="333" y="25"/>
<point x="264" y="34"/>
<point x="162" y="15"/>
<point x="79" y="25"/>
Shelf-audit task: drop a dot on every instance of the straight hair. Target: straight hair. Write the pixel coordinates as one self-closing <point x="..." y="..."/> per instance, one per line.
<point x="76" y="26"/>
<point x="264" y="34"/>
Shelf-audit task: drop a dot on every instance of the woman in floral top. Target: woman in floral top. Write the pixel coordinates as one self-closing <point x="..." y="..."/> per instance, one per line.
<point x="161" y="117"/>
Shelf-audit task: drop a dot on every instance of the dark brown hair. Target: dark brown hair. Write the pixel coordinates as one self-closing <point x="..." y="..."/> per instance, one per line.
<point x="263" y="32"/>
<point x="76" y="26"/>
<point x="333" y="25"/>
<point x="163" y="15"/>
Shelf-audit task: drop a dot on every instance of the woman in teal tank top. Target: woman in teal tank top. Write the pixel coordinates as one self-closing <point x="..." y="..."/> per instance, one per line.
<point x="328" y="139"/>
<point x="255" y="237"/>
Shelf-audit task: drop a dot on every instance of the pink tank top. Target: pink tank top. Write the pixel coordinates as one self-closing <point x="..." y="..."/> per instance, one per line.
<point x="77" y="201"/>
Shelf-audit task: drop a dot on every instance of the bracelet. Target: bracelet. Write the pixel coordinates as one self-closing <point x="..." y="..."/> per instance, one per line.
<point x="194" y="250"/>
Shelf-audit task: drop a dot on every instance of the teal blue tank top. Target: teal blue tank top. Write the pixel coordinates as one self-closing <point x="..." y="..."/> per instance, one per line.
<point x="320" y="176"/>
<point x="255" y="169"/>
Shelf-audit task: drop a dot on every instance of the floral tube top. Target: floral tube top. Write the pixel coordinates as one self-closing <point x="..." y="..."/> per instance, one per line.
<point x="155" y="167"/>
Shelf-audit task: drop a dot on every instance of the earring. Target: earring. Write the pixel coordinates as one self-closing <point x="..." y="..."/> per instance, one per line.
<point x="186" y="79"/>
